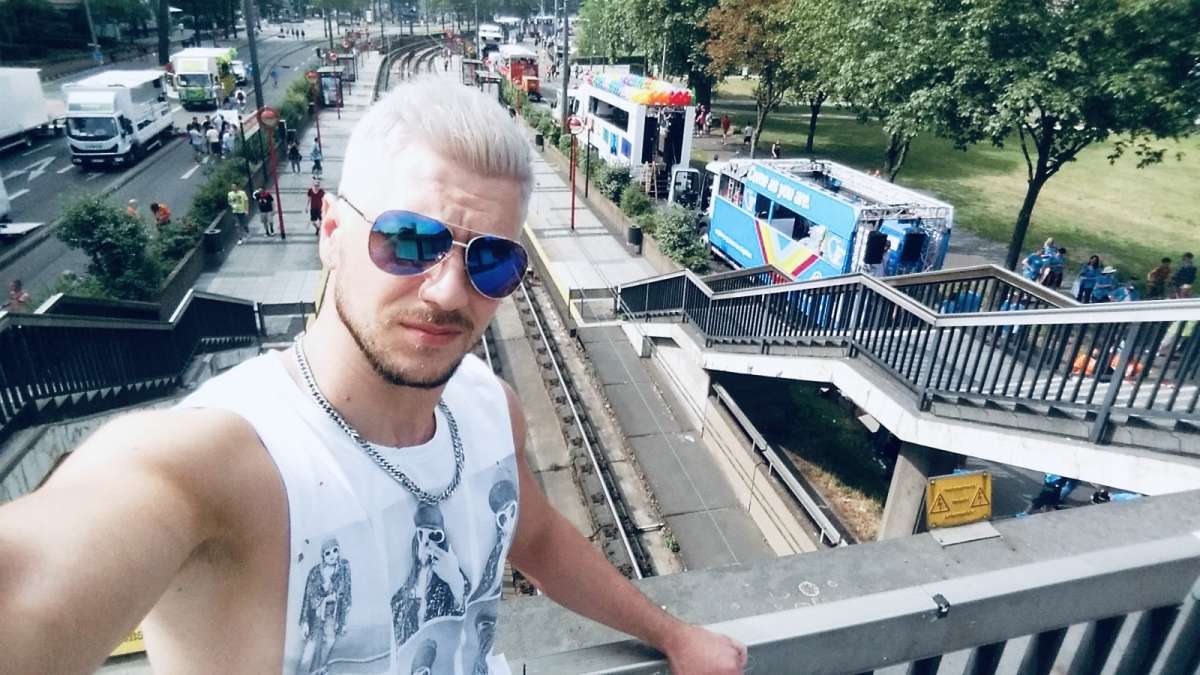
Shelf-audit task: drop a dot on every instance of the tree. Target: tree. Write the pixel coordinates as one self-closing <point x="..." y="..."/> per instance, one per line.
<point x="1063" y="75"/>
<point x="603" y="29"/>
<point x="815" y="29"/>
<point x="753" y="33"/>
<point x="118" y="245"/>
<point x="672" y="34"/>
<point x="890" y="61"/>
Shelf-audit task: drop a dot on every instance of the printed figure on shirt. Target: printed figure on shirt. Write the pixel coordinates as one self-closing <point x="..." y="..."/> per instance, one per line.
<point x="326" y="606"/>
<point x="436" y="586"/>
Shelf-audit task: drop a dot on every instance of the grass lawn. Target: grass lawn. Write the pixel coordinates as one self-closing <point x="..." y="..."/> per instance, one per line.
<point x="1130" y="217"/>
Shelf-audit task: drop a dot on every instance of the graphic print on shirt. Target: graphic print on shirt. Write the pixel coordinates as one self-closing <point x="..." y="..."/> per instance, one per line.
<point x="342" y="628"/>
<point x="327" y="603"/>
<point x="436" y="586"/>
<point x="502" y="499"/>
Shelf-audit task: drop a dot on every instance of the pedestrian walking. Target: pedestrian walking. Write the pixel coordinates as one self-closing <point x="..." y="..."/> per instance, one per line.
<point x="275" y="77"/>
<point x="266" y="207"/>
<point x="1087" y="279"/>
<point x="293" y="155"/>
<point x="214" y="141"/>
<point x="18" y="297"/>
<point x="227" y="140"/>
<point x="239" y="205"/>
<point x="315" y="156"/>
<point x="240" y="97"/>
<point x="316" y="201"/>
<point x="1184" y="276"/>
<point x="1055" y="265"/>
<point x="747" y="134"/>
<point x="196" y="138"/>
<point x="1156" y="280"/>
<point x="725" y="124"/>
<point x="775" y="150"/>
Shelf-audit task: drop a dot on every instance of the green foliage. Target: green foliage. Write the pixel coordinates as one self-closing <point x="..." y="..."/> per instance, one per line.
<point x="212" y="197"/>
<point x="175" y="240"/>
<point x="550" y="130"/>
<point x="675" y="232"/>
<point x="118" y="245"/>
<point x="611" y="179"/>
<point x="603" y="29"/>
<point x="564" y="144"/>
<point x="634" y="202"/>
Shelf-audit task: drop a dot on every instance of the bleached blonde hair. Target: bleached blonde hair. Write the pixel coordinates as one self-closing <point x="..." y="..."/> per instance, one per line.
<point x="455" y="122"/>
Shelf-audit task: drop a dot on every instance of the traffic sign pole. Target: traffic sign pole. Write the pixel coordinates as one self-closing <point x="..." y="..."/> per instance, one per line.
<point x="269" y="118"/>
<point x="574" y="127"/>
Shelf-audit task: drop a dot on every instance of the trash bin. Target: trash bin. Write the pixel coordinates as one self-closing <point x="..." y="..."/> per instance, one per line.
<point x="539" y="141"/>
<point x="633" y="235"/>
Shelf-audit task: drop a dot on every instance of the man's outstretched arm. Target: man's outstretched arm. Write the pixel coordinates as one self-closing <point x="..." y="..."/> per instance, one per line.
<point x="574" y="574"/>
<point x="85" y="557"/>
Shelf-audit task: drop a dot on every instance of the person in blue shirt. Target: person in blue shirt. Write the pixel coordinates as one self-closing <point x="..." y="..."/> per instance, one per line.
<point x="1104" y="285"/>
<point x="1056" y="263"/>
<point x="1033" y="265"/>
<point x="1087" y="279"/>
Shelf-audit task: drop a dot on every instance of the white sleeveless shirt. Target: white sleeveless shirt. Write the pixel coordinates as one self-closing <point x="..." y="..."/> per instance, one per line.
<point x="377" y="582"/>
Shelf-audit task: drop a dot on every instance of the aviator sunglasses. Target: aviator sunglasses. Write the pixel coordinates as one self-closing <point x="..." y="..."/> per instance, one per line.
<point x="407" y="244"/>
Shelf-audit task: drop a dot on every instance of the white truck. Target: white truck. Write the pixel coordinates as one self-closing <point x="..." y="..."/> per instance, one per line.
<point x="114" y="117"/>
<point x="24" y="112"/>
<point x="204" y="76"/>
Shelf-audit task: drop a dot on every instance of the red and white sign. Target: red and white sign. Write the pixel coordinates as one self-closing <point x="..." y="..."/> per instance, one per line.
<point x="269" y="117"/>
<point x="574" y="125"/>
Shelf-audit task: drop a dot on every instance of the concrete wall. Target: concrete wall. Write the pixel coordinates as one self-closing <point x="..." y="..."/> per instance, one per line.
<point x="771" y="509"/>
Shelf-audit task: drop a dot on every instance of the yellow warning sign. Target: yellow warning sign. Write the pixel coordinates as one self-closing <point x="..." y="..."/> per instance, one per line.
<point x="958" y="499"/>
<point x="131" y="644"/>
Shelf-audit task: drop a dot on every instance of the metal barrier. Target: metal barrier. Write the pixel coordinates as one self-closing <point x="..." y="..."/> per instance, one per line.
<point x="1109" y="589"/>
<point x="1088" y="361"/>
<point x="56" y="361"/>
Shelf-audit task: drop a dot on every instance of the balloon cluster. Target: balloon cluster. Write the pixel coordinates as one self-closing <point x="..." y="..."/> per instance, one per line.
<point x="639" y="89"/>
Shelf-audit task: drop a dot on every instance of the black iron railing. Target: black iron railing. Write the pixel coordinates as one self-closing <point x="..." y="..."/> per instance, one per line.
<point x="1138" y="358"/>
<point x="50" y="358"/>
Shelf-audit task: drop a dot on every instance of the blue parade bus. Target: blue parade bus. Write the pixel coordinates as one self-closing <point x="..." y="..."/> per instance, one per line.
<point x="814" y="219"/>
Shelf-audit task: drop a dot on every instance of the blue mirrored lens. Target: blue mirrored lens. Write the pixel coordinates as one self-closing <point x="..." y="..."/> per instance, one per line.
<point x="496" y="265"/>
<point x="406" y="243"/>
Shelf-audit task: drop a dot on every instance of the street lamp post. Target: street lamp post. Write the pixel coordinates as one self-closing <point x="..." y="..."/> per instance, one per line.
<point x="269" y="118"/>
<point x="249" y="10"/>
<point x="87" y="10"/>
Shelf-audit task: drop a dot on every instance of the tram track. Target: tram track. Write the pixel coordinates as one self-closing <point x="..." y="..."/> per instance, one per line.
<point x="608" y="506"/>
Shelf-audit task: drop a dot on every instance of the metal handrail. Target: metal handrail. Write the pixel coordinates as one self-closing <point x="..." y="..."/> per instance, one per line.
<point x="1138" y="357"/>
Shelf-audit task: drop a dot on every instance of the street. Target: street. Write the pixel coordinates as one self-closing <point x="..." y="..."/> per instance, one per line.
<point x="41" y="180"/>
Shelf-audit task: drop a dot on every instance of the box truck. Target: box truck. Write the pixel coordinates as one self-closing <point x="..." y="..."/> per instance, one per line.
<point x="25" y="112"/>
<point x="204" y="76"/>
<point x="114" y="117"/>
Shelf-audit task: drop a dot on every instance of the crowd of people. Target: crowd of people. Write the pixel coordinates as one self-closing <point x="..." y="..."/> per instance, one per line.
<point x="1097" y="282"/>
<point x="213" y="137"/>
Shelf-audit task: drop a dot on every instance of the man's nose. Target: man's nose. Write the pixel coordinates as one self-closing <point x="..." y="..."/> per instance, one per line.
<point x="447" y="285"/>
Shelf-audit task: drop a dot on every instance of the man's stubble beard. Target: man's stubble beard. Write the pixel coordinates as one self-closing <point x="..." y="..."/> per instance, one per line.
<point x="373" y="353"/>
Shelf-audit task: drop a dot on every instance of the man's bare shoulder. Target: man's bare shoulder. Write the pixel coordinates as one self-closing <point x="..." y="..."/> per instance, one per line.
<point x="212" y="455"/>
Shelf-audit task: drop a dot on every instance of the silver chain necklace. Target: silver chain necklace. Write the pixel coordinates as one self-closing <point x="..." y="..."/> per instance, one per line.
<point x="388" y="468"/>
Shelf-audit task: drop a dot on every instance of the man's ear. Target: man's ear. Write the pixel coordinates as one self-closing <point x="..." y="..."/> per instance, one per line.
<point x="329" y="229"/>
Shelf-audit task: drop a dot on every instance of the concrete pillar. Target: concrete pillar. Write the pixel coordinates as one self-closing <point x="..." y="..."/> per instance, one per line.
<point x="903" y="511"/>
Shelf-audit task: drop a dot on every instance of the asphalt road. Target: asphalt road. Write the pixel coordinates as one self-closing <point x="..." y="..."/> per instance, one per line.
<point x="40" y="180"/>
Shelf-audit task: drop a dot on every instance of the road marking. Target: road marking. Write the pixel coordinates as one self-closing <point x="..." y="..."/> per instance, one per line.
<point x="65" y="169"/>
<point x="93" y="176"/>
<point x="18" y="193"/>
<point x="176" y="109"/>
<point x="189" y="173"/>
<point x="37" y="149"/>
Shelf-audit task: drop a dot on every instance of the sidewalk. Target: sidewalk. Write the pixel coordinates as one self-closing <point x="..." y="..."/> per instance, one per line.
<point x="276" y="270"/>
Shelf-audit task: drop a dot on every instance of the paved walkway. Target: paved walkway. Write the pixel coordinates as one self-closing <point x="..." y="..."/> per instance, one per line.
<point x="278" y="270"/>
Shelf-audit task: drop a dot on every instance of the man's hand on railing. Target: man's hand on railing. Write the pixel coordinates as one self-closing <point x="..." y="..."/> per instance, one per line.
<point x="694" y="650"/>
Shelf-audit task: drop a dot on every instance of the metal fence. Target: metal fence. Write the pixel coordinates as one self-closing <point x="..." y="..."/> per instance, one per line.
<point x="1140" y="359"/>
<point x="61" y="359"/>
<point x="1113" y="591"/>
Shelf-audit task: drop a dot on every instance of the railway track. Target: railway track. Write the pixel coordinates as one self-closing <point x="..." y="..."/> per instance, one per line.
<point x="602" y="493"/>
